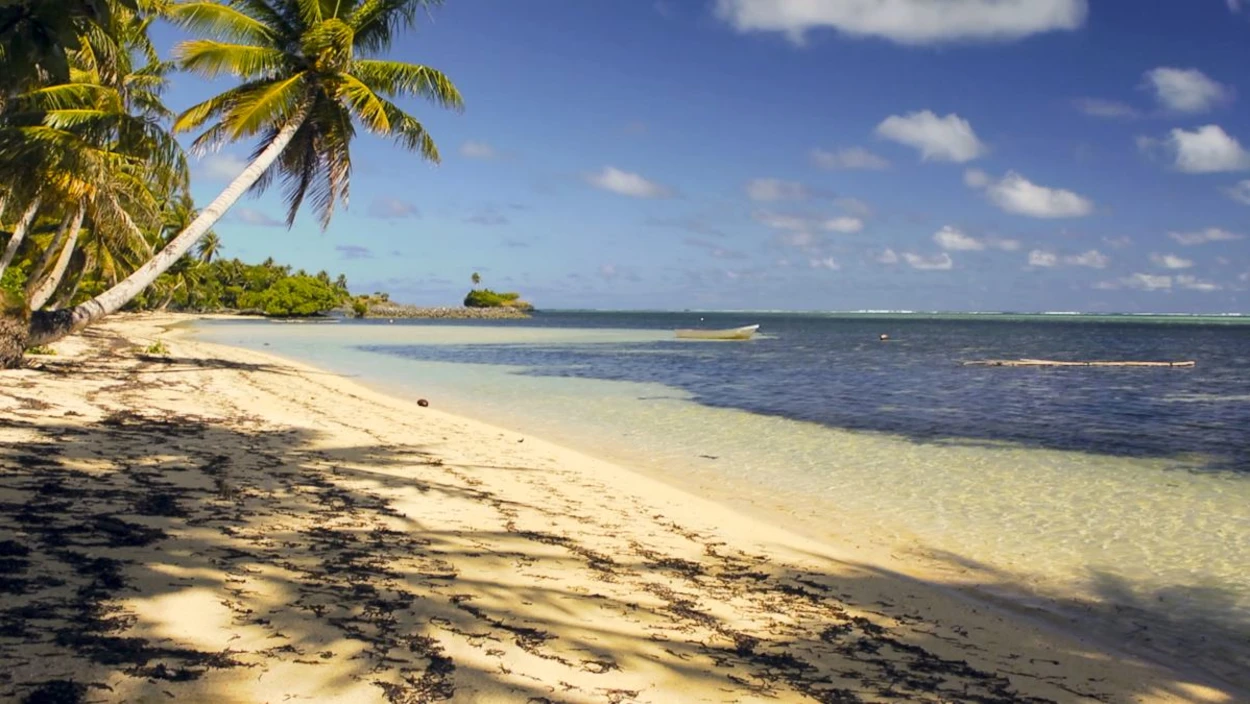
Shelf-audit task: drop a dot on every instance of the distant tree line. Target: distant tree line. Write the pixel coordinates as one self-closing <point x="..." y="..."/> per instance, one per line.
<point x="230" y="285"/>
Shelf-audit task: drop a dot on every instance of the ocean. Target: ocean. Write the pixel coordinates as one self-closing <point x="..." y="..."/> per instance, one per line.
<point x="1111" y="500"/>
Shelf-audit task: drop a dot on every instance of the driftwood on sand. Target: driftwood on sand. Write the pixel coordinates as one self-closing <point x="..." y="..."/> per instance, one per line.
<point x="1056" y="363"/>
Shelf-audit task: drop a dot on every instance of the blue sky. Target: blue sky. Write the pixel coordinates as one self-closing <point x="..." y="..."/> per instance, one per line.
<point x="803" y="154"/>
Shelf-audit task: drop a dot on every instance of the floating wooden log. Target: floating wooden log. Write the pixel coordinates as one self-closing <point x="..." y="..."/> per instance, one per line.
<point x="1057" y="363"/>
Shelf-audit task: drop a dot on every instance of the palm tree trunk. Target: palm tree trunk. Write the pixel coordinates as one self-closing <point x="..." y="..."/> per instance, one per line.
<point x="36" y="273"/>
<point x="46" y="287"/>
<point x="67" y="294"/>
<point x="47" y="326"/>
<point x="19" y="234"/>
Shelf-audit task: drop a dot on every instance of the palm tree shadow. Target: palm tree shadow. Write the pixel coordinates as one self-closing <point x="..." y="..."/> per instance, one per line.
<point x="317" y="562"/>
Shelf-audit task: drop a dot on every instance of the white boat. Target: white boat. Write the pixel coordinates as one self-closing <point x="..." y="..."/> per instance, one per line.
<point x="742" y="333"/>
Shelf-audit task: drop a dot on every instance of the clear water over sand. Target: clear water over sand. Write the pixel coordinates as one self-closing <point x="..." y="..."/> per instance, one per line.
<point x="1134" y="520"/>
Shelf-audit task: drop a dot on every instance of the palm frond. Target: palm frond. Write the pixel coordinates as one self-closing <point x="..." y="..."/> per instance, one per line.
<point x="311" y="12"/>
<point x="376" y="22"/>
<point x="211" y="58"/>
<point x="214" y="107"/>
<point x="395" y="78"/>
<point x="410" y="133"/>
<point x="272" y="103"/>
<point x="69" y="119"/>
<point x="365" y="103"/>
<point x="221" y="20"/>
<point x="64" y="95"/>
<point x="279" y="18"/>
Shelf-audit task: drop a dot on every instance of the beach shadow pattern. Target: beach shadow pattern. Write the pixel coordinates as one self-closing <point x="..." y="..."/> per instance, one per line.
<point x="315" y="566"/>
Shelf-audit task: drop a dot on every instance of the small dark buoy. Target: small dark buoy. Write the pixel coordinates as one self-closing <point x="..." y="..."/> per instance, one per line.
<point x="422" y="402"/>
<point x="884" y="337"/>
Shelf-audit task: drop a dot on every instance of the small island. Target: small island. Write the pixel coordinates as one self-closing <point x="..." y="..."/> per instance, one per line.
<point x="479" y="304"/>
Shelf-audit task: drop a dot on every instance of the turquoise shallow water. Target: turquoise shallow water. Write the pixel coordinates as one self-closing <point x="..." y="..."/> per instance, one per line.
<point x="1117" y="499"/>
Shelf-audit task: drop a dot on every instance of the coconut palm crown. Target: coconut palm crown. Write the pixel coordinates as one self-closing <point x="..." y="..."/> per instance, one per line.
<point x="307" y="62"/>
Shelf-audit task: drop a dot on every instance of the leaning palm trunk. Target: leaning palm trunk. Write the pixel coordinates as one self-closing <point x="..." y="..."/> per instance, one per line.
<point x="77" y="270"/>
<point x="19" y="234"/>
<point x="38" y="272"/>
<point x="47" y="286"/>
<point x="48" y="326"/>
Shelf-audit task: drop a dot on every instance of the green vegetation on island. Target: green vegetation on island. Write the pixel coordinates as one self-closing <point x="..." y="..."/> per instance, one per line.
<point x="486" y="298"/>
<point x="95" y="206"/>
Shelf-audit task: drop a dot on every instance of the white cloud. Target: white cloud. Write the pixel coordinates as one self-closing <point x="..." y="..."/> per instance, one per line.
<point x="1208" y="149"/>
<point x="1211" y="234"/>
<point x="1196" y="284"/>
<point x="849" y="158"/>
<point x="612" y="272"/>
<point x="1186" y="90"/>
<point x="773" y="189"/>
<point x="801" y="239"/>
<point x="1005" y="245"/>
<point x="976" y="178"/>
<point x="1234" y="5"/>
<point x="1171" y="261"/>
<point x="940" y="262"/>
<point x="795" y="223"/>
<point x="1239" y="192"/>
<point x="911" y="22"/>
<point x="1110" y="109"/>
<point x="222" y="167"/>
<point x="1148" y="282"/>
<point x="887" y="257"/>
<point x="713" y="249"/>
<point x="386" y="208"/>
<point x="953" y="240"/>
<point x="854" y="206"/>
<point x="1040" y="258"/>
<point x="251" y="216"/>
<point x="824" y="263"/>
<point x="478" y="150"/>
<point x="1016" y="194"/>
<point x="1092" y="259"/>
<point x="777" y="221"/>
<point x="949" y="138"/>
<point x="845" y="225"/>
<point x="626" y="184"/>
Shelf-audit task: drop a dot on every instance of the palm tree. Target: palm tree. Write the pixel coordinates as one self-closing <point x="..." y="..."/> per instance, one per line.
<point x="209" y="248"/>
<point x="37" y="35"/>
<point x="476" y="278"/>
<point x="307" y="74"/>
<point x="58" y="140"/>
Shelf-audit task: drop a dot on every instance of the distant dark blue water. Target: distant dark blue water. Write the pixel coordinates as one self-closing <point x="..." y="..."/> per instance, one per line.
<point x="833" y="370"/>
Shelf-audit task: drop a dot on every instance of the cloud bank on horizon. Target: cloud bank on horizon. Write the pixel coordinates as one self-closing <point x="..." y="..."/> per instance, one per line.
<point x="1010" y="154"/>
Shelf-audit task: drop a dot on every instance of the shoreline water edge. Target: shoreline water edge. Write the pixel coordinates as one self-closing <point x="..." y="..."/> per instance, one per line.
<point x="214" y="523"/>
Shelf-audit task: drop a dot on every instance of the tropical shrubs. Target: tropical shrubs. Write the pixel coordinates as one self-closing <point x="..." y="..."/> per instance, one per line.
<point x="293" y="296"/>
<point x="486" y="298"/>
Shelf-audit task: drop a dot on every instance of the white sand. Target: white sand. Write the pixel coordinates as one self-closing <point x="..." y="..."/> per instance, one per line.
<point x="224" y="526"/>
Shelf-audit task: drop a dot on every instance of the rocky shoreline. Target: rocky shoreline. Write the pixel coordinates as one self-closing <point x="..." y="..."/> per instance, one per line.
<point x="448" y="313"/>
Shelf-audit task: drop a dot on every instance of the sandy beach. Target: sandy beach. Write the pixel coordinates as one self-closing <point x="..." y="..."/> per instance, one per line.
<point x="219" y="525"/>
